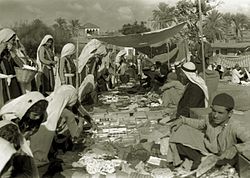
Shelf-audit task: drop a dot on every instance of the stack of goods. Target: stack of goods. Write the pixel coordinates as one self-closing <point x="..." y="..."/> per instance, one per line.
<point x="144" y="158"/>
<point x="94" y="163"/>
<point x="127" y="85"/>
<point x="110" y="159"/>
<point x="151" y="100"/>
<point x="116" y="126"/>
<point x="123" y="101"/>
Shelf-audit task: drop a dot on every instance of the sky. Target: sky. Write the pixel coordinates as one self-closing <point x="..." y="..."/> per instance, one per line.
<point x="109" y="15"/>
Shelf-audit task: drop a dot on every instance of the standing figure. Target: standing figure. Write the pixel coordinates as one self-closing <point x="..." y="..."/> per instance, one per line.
<point x="9" y="89"/>
<point x="67" y="67"/>
<point x="46" y="63"/>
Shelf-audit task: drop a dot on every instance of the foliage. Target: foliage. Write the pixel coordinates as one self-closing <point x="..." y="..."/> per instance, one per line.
<point x="61" y="34"/>
<point x="240" y="22"/>
<point x="213" y="26"/>
<point x="134" y="28"/>
<point x="74" y="25"/>
<point x="32" y="33"/>
<point x="216" y="26"/>
<point x="227" y="24"/>
<point x="164" y="16"/>
<point x="183" y="11"/>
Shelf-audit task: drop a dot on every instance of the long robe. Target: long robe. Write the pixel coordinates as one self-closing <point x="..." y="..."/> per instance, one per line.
<point x="67" y="71"/>
<point x="7" y="64"/>
<point x="47" y="77"/>
<point x="193" y="97"/>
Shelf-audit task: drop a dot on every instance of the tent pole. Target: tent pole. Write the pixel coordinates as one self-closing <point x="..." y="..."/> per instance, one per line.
<point x="202" y="43"/>
<point x="168" y="55"/>
<point x="186" y="49"/>
<point x="77" y="63"/>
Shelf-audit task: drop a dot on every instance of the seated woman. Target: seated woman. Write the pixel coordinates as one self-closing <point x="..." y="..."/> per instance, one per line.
<point x="87" y="94"/>
<point x="14" y="161"/>
<point x="102" y="80"/>
<point x="61" y="102"/>
<point x="20" y="118"/>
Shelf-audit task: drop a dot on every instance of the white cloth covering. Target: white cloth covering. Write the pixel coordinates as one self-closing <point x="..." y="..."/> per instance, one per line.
<point x="236" y="76"/>
<point x="43" y="42"/>
<point x="92" y="48"/>
<point x="67" y="50"/>
<point x="65" y="95"/>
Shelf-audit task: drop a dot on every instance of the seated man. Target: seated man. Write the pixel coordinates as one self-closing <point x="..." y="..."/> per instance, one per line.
<point x="172" y="90"/>
<point x="237" y="74"/>
<point x="196" y="92"/>
<point x="220" y="134"/>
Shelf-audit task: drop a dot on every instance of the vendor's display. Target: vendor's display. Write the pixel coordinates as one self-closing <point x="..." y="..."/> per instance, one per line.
<point x="122" y="101"/>
<point x="134" y="142"/>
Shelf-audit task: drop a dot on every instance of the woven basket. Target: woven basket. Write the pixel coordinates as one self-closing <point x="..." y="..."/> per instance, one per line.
<point x="25" y="75"/>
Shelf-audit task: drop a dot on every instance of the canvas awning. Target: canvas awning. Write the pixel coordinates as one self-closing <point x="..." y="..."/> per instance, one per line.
<point x="243" y="61"/>
<point x="142" y="39"/>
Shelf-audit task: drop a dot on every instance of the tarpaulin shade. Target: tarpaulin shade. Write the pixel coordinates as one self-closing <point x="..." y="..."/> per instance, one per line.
<point x="173" y="53"/>
<point x="142" y="39"/>
<point x="154" y="51"/>
<point x="243" y="61"/>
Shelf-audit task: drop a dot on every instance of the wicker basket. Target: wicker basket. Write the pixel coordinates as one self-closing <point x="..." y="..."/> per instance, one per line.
<point x="25" y="75"/>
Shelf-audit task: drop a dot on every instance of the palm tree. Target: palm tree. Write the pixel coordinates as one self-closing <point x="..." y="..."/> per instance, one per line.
<point x="61" y="23"/>
<point x="164" y="16"/>
<point x="74" y="26"/>
<point x="188" y="11"/>
<point x="227" y="23"/>
<point x="240" y="22"/>
<point x="213" y="25"/>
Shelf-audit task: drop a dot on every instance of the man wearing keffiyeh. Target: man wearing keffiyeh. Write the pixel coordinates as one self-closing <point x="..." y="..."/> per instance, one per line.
<point x="196" y="92"/>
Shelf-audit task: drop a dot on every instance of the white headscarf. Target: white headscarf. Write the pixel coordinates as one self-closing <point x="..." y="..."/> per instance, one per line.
<point x="189" y="70"/>
<point x="17" y="107"/>
<point x="93" y="47"/>
<point x="119" y="56"/>
<point x="87" y="86"/>
<point x="43" y="42"/>
<point x="6" y="34"/>
<point x="68" y="50"/>
<point x="6" y="152"/>
<point x="7" y="149"/>
<point x="65" y="95"/>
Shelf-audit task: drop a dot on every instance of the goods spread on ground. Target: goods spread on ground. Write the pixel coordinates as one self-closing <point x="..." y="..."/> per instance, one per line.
<point x="130" y="142"/>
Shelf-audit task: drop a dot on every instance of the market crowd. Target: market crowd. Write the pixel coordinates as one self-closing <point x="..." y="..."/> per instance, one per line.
<point x="35" y="108"/>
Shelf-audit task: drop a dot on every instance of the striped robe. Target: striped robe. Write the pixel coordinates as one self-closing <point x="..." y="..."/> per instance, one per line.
<point x="67" y="71"/>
